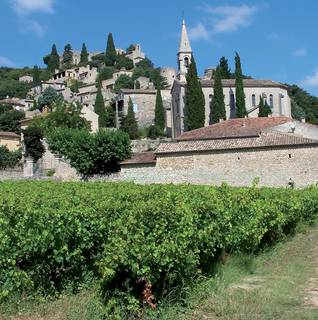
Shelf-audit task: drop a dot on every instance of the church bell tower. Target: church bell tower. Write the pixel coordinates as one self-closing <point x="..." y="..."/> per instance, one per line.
<point x="184" y="54"/>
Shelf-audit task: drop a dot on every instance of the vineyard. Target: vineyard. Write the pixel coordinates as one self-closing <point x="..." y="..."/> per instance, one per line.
<point x="135" y="241"/>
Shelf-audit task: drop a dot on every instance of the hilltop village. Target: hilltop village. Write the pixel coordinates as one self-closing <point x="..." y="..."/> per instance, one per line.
<point x="185" y="128"/>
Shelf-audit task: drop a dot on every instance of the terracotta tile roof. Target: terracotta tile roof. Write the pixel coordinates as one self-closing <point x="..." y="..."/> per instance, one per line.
<point x="8" y="134"/>
<point x="234" y="128"/>
<point x="266" y="139"/>
<point x="141" y="158"/>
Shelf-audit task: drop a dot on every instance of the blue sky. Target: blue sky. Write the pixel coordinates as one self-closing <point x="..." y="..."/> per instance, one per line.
<point x="276" y="39"/>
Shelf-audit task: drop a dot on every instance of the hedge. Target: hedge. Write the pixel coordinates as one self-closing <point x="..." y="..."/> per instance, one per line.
<point x="60" y="235"/>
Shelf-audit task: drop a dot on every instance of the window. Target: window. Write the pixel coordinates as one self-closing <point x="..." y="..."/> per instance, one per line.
<point x="271" y="101"/>
<point x="135" y="107"/>
<point x="253" y="100"/>
<point x="210" y="98"/>
<point x="186" y="62"/>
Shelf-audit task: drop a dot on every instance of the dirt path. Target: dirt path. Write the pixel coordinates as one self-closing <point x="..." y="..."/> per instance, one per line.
<point x="311" y="290"/>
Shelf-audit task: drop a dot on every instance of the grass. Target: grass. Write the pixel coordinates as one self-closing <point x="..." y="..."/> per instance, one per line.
<point x="270" y="286"/>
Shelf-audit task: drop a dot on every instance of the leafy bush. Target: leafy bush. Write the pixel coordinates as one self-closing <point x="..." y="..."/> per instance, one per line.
<point x="58" y="235"/>
<point x="32" y="139"/>
<point x="10" y="120"/>
<point x="9" y="159"/>
<point x="90" y="153"/>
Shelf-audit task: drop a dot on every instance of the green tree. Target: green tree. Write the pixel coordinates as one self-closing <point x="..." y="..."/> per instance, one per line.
<point x="159" y="112"/>
<point x="11" y="121"/>
<point x="54" y="61"/>
<point x="124" y="62"/>
<point x="9" y="159"/>
<point x="111" y="54"/>
<point x="104" y="74"/>
<point x="36" y="76"/>
<point x="64" y="115"/>
<point x="194" y="100"/>
<point x="217" y="108"/>
<point x="48" y="98"/>
<point x="110" y="117"/>
<point x="32" y="139"/>
<point x="297" y="112"/>
<point x="225" y="71"/>
<point x="91" y="153"/>
<point x="99" y="108"/>
<point x="129" y="122"/>
<point x="67" y="61"/>
<point x="263" y="108"/>
<point x="239" y="89"/>
<point x="123" y="82"/>
<point x="84" y="56"/>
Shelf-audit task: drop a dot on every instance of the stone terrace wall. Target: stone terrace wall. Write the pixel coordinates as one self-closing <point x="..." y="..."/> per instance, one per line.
<point x="11" y="174"/>
<point x="272" y="167"/>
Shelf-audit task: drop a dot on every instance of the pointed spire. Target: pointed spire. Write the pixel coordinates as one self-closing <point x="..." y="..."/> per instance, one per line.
<point x="184" y="45"/>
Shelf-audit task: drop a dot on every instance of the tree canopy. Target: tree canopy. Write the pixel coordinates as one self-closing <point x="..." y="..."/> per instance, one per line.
<point x="67" y="61"/>
<point x="159" y="112"/>
<point x="84" y="56"/>
<point x="111" y="54"/>
<point x="239" y="89"/>
<point x="48" y="98"/>
<point x="194" y="116"/>
<point x="217" y="108"/>
<point x="129" y="122"/>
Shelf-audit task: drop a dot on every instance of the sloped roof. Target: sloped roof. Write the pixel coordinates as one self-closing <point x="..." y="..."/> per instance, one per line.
<point x="184" y="45"/>
<point x="265" y="139"/>
<point x="8" y="134"/>
<point x="234" y="128"/>
<point x="141" y="158"/>
<point x="11" y="102"/>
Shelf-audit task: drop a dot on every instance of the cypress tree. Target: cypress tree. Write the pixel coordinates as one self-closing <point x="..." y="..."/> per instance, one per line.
<point x="111" y="54"/>
<point x="129" y="123"/>
<point x="67" y="61"/>
<point x="217" y="111"/>
<point x="54" y="60"/>
<point x="159" y="112"/>
<point x="36" y="76"/>
<point x="99" y="108"/>
<point x="239" y="89"/>
<point x="225" y="71"/>
<point x="84" y="55"/>
<point x="263" y="110"/>
<point x="194" y="100"/>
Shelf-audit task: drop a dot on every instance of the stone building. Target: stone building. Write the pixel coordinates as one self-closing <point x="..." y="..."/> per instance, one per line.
<point x="275" y="151"/>
<point x="274" y="93"/>
<point x="11" y="140"/>
<point x="136" y="54"/>
<point x="144" y="102"/>
<point x="28" y="79"/>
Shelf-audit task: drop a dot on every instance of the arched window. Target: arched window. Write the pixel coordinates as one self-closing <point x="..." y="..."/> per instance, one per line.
<point x="253" y="100"/>
<point x="271" y="101"/>
<point x="186" y="62"/>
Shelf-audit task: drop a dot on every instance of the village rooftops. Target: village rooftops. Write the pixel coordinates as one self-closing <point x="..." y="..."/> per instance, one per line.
<point x="234" y="128"/>
<point x="11" y="102"/>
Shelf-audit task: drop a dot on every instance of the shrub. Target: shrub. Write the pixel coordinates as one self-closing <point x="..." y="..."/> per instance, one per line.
<point x="59" y="235"/>
<point x="32" y="139"/>
<point x="9" y="159"/>
<point x="90" y="153"/>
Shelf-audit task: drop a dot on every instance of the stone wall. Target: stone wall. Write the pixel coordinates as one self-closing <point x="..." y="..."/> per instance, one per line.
<point x="11" y="173"/>
<point x="273" y="167"/>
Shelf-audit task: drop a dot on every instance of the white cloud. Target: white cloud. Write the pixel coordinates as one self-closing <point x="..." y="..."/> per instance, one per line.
<point x="6" y="62"/>
<point x="299" y="53"/>
<point x="25" y="7"/>
<point x="199" y="32"/>
<point x="36" y="28"/>
<point x="312" y="80"/>
<point x="224" y="19"/>
<point x="232" y="17"/>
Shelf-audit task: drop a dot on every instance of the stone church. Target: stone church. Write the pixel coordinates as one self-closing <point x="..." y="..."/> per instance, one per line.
<point x="273" y="92"/>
